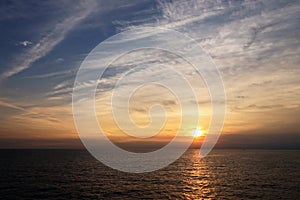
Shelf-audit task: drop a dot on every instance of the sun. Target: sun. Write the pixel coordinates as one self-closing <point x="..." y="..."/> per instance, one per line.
<point x="197" y="132"/>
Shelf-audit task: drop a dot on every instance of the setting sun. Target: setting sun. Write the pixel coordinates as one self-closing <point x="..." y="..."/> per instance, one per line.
<point x="197" y="132"/>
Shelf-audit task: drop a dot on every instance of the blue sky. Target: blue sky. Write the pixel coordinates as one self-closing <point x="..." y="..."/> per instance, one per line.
<point x="255" y="45"/>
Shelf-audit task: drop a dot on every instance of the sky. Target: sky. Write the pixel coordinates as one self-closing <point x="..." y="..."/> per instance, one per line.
<point x="255" y="45"/>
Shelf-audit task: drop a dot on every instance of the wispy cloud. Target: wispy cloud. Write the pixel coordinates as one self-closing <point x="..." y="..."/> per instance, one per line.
<point x="255" y="45"/>
<point x="54" y="74"/>
<point x="10" y="105"/>
<point x="51" y="38"/>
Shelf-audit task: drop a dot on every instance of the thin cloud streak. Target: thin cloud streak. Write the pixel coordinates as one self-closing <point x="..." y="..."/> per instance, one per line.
<point x="51" y="39"/>
<point x="9" y="105"/>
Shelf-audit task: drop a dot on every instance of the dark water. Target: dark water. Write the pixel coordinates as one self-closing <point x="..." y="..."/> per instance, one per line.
<point x="224" y="174"/>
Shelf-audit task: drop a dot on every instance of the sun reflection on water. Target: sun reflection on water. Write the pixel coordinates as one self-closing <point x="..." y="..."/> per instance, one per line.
<point x="198" y="177"/>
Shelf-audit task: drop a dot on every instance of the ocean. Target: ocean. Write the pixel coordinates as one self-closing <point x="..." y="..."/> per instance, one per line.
<point x="223" y="174"/>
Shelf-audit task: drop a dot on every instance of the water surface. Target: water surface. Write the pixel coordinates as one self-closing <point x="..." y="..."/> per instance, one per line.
<point x="224" y="174"/>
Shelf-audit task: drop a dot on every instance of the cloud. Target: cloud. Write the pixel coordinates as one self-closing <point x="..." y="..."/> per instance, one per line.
<point x="25" y="43"/>
<point x="10" y="105"/>
<point x="38" y="142"/>
<point x="57" y="74"/>
<point x="51" y="38"/>
<point x="254" y="44"/>
<point x="287" y="140"/>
